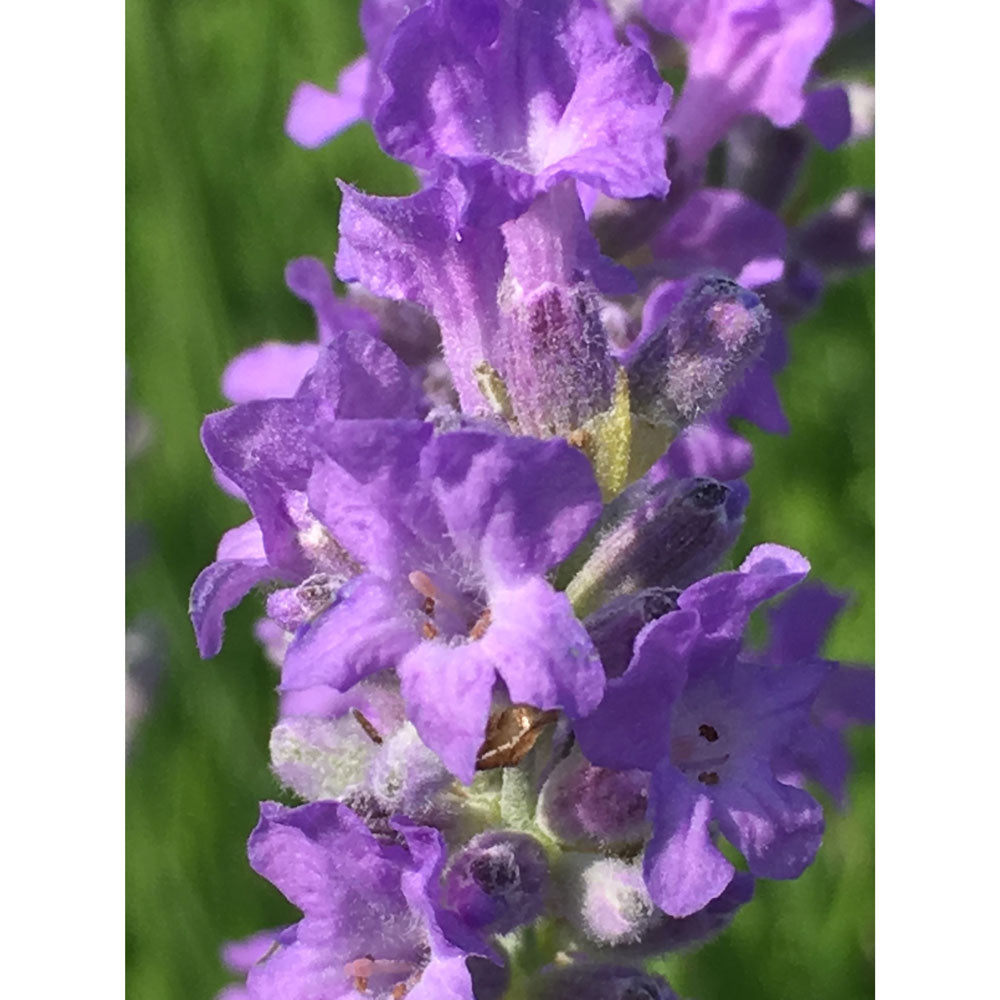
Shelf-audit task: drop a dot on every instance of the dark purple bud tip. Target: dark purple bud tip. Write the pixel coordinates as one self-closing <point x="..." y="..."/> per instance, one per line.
<point x="498" y="881"/>
<point x="706" y="495"/>
<point x="665" y="534"/>
<point x="589" y="981"/>
<point x="613" y="628"/>
<point x="685" y="368"/>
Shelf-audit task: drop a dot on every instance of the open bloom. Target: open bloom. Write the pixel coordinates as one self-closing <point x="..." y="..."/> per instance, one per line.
<point x="707" y="724"/>
<point x="370" y="922"/>
<point x="264" y="448"/>
<point x="454" y="535"/>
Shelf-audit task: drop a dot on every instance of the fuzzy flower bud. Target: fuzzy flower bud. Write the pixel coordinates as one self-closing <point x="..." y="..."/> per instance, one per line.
<point x="613" y="905"/>
<point x="597" y="806"/>
<point x="664" y="534"/>
<point x="407" y="777"/>
<point x="498" y="882"/>
<point x="685" y="368"/>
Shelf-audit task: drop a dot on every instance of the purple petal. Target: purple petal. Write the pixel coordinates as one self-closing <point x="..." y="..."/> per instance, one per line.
<point x="242" y="542"/>
<point x="321" y="856"/>
<point x="448" y="690"/>
<point x="371" y="492"/>
<point x="756" y="399"/>
<point x="541" y="650"/>
<point x="272" y="370"/>
<point x="308" y="278"/>
<point x="316" y="115"/>
<point x="219" y="588"/>
<point x="364" y="632"/>
<point x="799" y="624"/>
<point x="358" y="377"/>
<point x="776" y="827"/>
<point x="299" y="971"/>
<point x="847" y="697"/>
<point x="242" y="955"/>
<point x="411" y="248"/>
<point x="742" y="58"/>
<point x="684" y="870"/>
<point x="725" y="601"/>
<point x="631" y="726"/>
<point x="515" y="506"/>
<point x="828" y="115"/>
<point x="525" y="96"/>
<point x="718" y="229"/>
<point x="706" y="449"/>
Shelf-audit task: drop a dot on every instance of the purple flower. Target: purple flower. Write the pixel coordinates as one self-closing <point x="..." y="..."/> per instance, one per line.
<point x="316" y="115"/>
<point x="744" y="56"/>
<point x="707" y="723"/>
<point x="370" y="922"/>
<point x="519" y="96"/>
<point x="521" y="303"/>
<point x="264" y="448"/>
<point x="798" y="628"/>
<point x="455" y="534"/>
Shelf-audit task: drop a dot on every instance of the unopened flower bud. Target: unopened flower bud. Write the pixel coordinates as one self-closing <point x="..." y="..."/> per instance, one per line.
<point x="613" y="627"/>
<point x="320" y="758"/>
<point x="407" y="777"/>
<point x="597" y="806"/>
<point x="684" y="369"/>
<point x="554" y="359"/>
<point x="664" y="534"/>
<point x="589" y="981"/>
<point x="498" y="881"/>
<point x="612" y="903"/>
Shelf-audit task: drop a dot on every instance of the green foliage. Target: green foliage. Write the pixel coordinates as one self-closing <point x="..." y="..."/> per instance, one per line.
<point x="217" y="201"/>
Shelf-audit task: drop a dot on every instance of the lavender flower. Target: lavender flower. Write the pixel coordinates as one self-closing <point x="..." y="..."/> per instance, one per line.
<point x="706" y="724"/>
<point x="518" y="707"/>
<point x="453" y="594"/>
<point x="370" y="923"/>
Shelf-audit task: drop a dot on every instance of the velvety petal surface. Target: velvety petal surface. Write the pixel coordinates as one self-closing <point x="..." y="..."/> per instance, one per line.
<point x="541" y="650"/>
<point x="272" y="370"/>
<point x="532" y="92"/>
<point x="218" y="589"/>
<point x="725" y="601"/>
<point x="776" y="827"/>
<point x="631" y="726"/>
<point x="447" y="690"/>
<point x="364" y="632"/>
<point x="516" y="506"/>
<point x="684" y="870"/>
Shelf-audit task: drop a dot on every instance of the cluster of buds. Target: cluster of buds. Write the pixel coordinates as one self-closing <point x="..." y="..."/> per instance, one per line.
<point x="491" y="501"/>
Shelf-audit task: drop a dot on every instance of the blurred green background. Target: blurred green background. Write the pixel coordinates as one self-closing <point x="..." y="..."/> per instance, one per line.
<point x="217" y="201"/>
